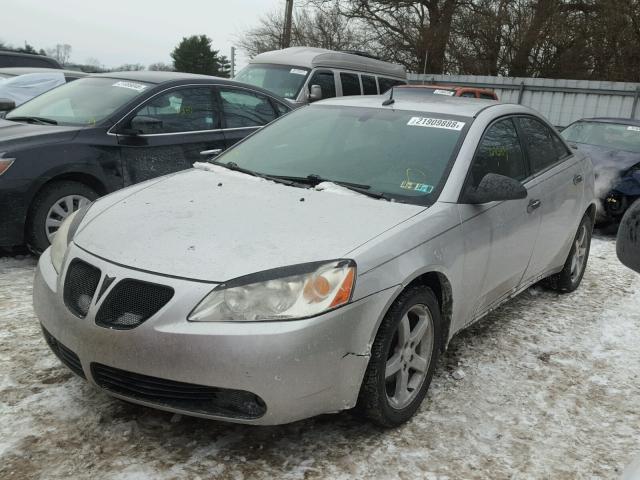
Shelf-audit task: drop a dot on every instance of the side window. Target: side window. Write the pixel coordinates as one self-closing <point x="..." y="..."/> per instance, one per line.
<point x="539" y="141"/>
<point x="560" y="147"/>
<point x="350" y="84"/>
<point x="369" y="85"/>
<point x="245" y="109"/>
<point x="183" y="110"/>
<point x="487" y="96"/>
<point x="385" y="84"/>
<point x="468" y="94"/>
<point x="282" y="109"/>
<point x="499" y="152"/>
<point x="326" y="81"/>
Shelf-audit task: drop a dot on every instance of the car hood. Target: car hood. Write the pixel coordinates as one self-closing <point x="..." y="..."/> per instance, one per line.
<point x="14" y="133"/>
<point x="218" y="225"/>
<point x="607" y="159"/>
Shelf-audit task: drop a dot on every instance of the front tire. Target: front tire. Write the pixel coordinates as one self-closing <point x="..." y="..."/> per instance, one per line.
<point x="403" y="358"/>
<point x="51" y="206"/>
<point x="569" y="278"/>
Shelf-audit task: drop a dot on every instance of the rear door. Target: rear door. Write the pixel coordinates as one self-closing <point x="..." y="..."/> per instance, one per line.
<point x="499" y="237"/>
<point x="243" y="112"/>
<point x="188" y="127"/>
<point x="556" y="191"/>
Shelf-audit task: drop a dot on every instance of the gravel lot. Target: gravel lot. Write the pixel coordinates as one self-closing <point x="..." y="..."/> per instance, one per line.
<point x="551" y="389"/>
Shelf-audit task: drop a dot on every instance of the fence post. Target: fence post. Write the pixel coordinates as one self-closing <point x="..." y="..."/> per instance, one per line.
<point x="635" y="103"/>
<point x="521" y="92"/>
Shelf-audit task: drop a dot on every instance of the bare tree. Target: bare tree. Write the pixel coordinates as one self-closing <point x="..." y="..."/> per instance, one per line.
<point x="311" y="26"/>
<point x="160" y="67"/>
<point x="61" y="52"/>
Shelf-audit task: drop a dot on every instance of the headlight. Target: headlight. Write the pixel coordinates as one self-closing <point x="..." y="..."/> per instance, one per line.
<point x="64" y="235"/>
<point x="287" y="293"/>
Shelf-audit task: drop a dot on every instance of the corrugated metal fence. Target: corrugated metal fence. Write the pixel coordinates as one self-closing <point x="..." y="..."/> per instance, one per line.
<point x="561" y="101"/>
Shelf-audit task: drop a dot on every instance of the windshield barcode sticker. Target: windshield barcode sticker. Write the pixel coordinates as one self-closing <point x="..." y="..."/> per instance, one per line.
<point x="633" y="129"/>
<point x="448" y="93"/>
<point x="138" y="87"/>
<point x="298" y="71"/>
<point x="435" y="123"/>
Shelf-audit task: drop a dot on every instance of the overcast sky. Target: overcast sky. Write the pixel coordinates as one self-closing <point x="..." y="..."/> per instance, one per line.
<point x="128" y="31"/>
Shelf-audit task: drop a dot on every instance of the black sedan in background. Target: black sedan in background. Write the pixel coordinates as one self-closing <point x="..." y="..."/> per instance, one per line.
<point x="614" y="147"/>
<point x="104" y="132"/>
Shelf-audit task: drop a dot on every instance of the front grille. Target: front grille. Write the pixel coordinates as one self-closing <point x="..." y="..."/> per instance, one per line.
<point x="80" y="286"/>
<point x="184" y="396"/>
<point x="131" y="302"/>
<point x="65" y="355"/>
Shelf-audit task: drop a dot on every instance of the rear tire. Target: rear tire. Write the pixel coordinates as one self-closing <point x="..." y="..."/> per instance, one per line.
<point x="51" y="197"/>
<point x="403" y="358"/>
<point x="569" y="278"/>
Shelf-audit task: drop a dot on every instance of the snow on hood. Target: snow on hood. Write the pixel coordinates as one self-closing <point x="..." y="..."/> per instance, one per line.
<point x="221" y="226"/>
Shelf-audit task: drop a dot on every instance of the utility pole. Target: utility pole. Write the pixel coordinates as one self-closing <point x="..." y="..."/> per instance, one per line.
<point x="286" y="34"/>
<point x="233" y="62"/>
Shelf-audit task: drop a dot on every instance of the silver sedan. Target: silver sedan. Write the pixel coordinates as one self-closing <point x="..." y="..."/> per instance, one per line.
<point x="322" y="264"/>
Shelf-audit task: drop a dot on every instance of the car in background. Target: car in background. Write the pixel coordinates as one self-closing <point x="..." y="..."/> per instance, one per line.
<point x="16" y="90"/>
<point x="614" y="147"/>
<point x="447" y="90"/>
<point x="95" y="135"/>
<point x="69" y="75"/>
<point x="304" y="74"/>
<point x="17" y="59"/>
<point x="320" y="265"/>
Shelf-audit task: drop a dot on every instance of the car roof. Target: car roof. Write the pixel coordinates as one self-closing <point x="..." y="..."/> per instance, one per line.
<point x="445" y="87"/>
<point x="174" y="78"/>
<point x="310" y="57"/>
<point x="626" y="121"/>
<point x="461" y="106"/>
<point x="15" y="71"/>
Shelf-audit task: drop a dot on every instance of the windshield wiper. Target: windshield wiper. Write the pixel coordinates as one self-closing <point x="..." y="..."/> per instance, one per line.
<point x="237" y="168"/>
<point x="40" y="120"/>
<point x="315" y="180"/>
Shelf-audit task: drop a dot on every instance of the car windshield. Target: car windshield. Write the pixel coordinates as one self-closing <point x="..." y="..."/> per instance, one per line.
<point x="403" y="155"/>
<point x="86" y="101"/>
<point x="283" y="80"/>
<point x="614" y="136"/>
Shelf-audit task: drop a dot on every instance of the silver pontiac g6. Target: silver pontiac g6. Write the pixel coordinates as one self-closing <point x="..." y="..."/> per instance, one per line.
<point x="322" y="264"/>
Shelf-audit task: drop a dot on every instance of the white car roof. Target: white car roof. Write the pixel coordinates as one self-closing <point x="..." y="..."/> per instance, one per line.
<point x="319" y="57"/>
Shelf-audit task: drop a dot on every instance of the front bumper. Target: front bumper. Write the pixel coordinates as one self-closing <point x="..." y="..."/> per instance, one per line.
<point x="297" y="368"/>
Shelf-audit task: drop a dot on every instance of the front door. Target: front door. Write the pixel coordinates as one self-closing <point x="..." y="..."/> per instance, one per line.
<point x="185" y="129"/>
<point x="498" y="236"/>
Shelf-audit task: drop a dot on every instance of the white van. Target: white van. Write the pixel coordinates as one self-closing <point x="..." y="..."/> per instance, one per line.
<point x="305" y="74"/>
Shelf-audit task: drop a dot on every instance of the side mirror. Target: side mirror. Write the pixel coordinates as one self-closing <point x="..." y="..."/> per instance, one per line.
<point x="495" y="188"/>
<point x="315" y="93"/>
<point x="628" y="241"/>
<point x="142" y="124"/>
<point x="6" y="105"/>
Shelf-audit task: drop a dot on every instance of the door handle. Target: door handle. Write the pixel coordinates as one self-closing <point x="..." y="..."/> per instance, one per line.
<point x="577" y="179"/>
<point x="213" y="153"/>
<point x="533" y="204"/>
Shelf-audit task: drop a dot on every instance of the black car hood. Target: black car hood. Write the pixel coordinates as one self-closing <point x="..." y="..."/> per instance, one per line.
<point x="605" y="158"/>
<point x="13" y="134"/>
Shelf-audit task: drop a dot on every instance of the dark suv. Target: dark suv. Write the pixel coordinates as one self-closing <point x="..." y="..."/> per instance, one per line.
<point x="104" y="132"/>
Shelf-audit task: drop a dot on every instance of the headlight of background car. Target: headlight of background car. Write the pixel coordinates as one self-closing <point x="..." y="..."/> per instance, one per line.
<point x="287" y="293"/>
<point x="64" y="235"/>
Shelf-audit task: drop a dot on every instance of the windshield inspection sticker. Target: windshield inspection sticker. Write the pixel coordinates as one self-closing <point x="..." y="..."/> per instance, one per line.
<point x="448" y="93"/>
<point x="298" y="71"/>
<point x="138" y="87"/>
<point x="435" y="123"/>
<point x="633" y="129"/>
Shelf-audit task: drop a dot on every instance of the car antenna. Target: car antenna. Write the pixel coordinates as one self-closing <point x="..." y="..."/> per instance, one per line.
<point x="390" y="100"/>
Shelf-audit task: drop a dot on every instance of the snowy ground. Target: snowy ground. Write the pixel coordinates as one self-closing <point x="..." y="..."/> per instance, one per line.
<point x="551" y="391"/>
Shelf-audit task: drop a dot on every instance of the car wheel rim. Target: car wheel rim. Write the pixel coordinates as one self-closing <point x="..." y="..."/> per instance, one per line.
<point x="409" y="356"/>
<point x="60" y="210"/>
<point x="579" y="254"/>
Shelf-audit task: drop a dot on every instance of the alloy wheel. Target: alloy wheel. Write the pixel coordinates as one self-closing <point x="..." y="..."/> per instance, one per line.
<point x="579" y="254"/>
